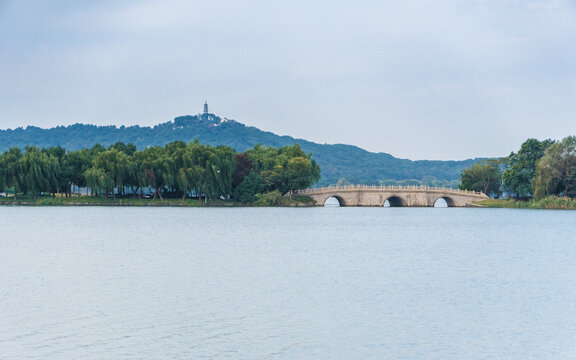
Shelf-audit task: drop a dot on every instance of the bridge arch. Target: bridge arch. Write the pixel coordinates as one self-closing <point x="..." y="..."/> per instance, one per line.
<point x="395" y="201"/>
<point x="340" y="200"/>
<point x="373" y="195"/>
<point x="449" y="201"/>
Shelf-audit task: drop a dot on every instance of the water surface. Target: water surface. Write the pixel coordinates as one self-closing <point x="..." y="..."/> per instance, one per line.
<point x="277" y="283"/>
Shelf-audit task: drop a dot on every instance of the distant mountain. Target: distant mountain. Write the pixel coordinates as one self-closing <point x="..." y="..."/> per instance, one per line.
<point x="340" y="164"/>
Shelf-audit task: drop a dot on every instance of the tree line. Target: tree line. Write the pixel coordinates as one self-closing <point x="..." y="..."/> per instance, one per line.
<point x="539" y="169"/>
<point x="340" y="164"/>
<point x="175" y="170"/>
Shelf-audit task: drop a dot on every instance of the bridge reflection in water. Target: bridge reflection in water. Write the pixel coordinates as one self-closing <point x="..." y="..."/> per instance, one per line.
<point x="392" y="196"/>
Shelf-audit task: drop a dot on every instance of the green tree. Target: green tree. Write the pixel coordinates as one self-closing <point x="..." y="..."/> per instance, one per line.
<point x="556" y="170"/>
<point x="76" y="163"/>
<point x="484" y="176"/>
<point x="196" y="171"/>
<point x="2" y="173"/>
<point x="130" y="178"/>
<point x="128" y="149"/>
<point x="301" y="172"/>
<point x="156" y="169"/>
<point x="39" y="171"/>
<point x="220" y="167"/>
<point x="61" y="184"/>
<point x="109" y="171"/>
<point x="186" y="171"/>
<point x="250" y="186"/>
<point x="242" y="168"/>
<point x="271" y="198"/>
<point x="273" y="179"/>
<point x="522" y="167"/>
<point x="176" y="169"/>
<point x="284" y="169"/>
<point x="12" y="171"/>
<point x="205" y="170"/>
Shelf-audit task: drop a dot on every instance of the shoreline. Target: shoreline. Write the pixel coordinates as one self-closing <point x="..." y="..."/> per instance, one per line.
<point x="547" y="203"/>
<point x="166" y="204"/>
<point x="57" y="202"/>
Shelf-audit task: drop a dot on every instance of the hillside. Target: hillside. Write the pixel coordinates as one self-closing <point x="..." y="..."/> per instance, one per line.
<point x="339" y="163"/>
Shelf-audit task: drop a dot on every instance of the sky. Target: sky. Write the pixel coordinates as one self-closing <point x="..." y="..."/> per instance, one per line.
<point x="418" y="79"/>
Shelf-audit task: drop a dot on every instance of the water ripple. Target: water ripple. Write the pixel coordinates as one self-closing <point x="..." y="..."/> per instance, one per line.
<point x="434" y="284"/>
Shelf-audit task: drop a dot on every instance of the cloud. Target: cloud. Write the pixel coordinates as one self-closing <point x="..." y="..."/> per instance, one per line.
<point x="299" y="68"/>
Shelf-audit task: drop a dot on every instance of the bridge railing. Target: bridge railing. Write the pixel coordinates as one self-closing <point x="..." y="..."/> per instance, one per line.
<point x="386" y="188"/>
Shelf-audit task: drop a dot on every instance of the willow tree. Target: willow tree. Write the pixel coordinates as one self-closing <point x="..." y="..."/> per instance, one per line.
<point x="39" y="171"/>
<point x="109" y="171"/>
<point x="156" y="169"/>
<point x="76" y="163"/>
<point x="556" y="170"/>
<point x="2" y="173"/>
<point x="96" y="180"/>
<point x="199" y="172"/>
<point x="61" y="181"/>
<point x="187" y="172"/>
<point x="12" y="171"/>
<point x="220" y="167"/>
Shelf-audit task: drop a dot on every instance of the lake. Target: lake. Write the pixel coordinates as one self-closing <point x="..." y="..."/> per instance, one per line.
<point x="287" y="283"/>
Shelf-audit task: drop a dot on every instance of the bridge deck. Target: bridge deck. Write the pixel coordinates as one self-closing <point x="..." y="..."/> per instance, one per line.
<point x="419" y="188"/>
<point x="377" y="195"/>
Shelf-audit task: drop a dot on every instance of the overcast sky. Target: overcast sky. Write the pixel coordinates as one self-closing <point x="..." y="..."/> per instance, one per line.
<point x="419" y="79"/>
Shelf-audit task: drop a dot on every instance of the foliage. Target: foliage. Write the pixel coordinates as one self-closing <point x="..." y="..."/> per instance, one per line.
<point x="284" y="169"/>
<point x="503" y="203"/>
<point x="539" y="168"/>
<point x="76" y="200"/>
<point x="338" y="162"/>
<point x="522" y="167"/>
<point x="75" y="164"/>
<point x="175" y="170"/>
<point x="110" y="170"/>
<point x="247" y="190"/>
<point x="38" y="171"/>
<point x="243" y="167"/>
<point x="556" y="170"/>
<point x="272" y="198"/>
<point x="554" y="202"/>
<point x="33" y="171"/>
<point x="549" y="202"/>
<point x="275" y="198"/>
<point x="11" y="174"/>
<point x="484" y="177"/>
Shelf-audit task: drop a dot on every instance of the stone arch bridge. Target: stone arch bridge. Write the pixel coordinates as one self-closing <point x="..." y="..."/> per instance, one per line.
<point x="410" y="196"/>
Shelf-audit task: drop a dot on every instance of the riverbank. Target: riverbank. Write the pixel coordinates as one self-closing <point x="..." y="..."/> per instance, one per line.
<point x="98" y="201"/>
<point x="88" y="201"/>
<point x="548" y="203"/>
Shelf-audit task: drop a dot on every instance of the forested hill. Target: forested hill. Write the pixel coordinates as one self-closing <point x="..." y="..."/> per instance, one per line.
<point x="339" y="163"/>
